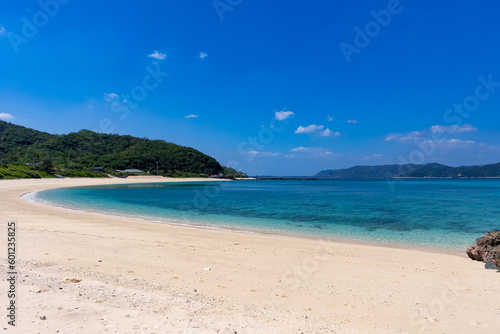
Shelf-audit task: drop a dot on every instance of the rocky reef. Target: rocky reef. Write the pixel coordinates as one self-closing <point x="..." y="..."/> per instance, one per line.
<point x="487" y="249"/>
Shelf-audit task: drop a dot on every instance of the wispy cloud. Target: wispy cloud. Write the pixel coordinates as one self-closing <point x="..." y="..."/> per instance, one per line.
<point x="401" y="137"/>
<point x="191" y="116"/>
<point x="157" y="55"/>
<point x="263" y="154"/>
<point x="314" y="152"/>
<point x="316" y="129"/>
<point x="429" y="137"/>
<point x="453" y="142"/>
<point x="353" y="121"/>
<point x="453" y="128"/>
<point x="329" y="118"/>
<point x="6" y="116"/>
<point x="282" y="115"/>
<point x="202" y="55"/>
<point x="2" y="30"/>
<point x="426" y="134"/>
<point x="309" y="129"/>
<point x="111" y="97"/>
<point x="458" y="141"/>
<point x="306" y="149"/>
<point x="329" y="133"/>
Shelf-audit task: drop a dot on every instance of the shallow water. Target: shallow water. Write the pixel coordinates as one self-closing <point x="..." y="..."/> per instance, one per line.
<point x="446" y="214"/>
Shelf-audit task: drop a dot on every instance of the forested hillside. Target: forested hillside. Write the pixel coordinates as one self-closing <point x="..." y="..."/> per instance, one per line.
<point x="85" y="149"/>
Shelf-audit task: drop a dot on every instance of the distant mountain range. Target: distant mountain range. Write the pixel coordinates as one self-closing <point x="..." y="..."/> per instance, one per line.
<point x="412" y="170"/>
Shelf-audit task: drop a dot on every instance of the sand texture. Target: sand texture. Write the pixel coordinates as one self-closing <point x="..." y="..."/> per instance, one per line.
<point x="91" y="273"/>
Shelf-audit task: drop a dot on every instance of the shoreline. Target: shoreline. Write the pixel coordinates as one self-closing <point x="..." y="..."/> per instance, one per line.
<point x="115" y="273"/>
<point x="415" y="247"/>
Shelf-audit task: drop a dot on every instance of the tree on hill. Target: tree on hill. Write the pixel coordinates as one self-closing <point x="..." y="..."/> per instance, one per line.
<point x="47" y="164"/>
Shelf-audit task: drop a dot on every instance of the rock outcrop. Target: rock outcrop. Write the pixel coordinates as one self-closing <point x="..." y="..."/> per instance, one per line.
<point x="487" y="248"/>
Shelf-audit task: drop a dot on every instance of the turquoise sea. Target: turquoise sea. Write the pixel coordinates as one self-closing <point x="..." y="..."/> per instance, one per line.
<point x="440" y="213"/>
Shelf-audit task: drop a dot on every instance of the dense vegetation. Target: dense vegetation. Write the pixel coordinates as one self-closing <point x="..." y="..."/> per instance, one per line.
<point x="233" y="173"/>
<point x="410" y="170"/>
<point x="75" y="154"/>
<point x="21" y="172"/>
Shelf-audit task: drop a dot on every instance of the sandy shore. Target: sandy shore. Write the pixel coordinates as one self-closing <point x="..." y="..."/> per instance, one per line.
<point x="89" y="273"/>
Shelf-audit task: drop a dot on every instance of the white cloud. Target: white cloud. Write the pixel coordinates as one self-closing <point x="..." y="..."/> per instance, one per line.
<point x="202" y="55"/>
<point x="392" y="136"/>
<point x="353" y="121"/>
<point x="262" y="154"/>
<point x="450" y="144"/>
<point x="454" y="141"/>
<point x="375" y="155"/>
<point x="311" y="152"/>
<point x="191" y="116"/>
<point x="427" y="138"/>
<point x="111" y="97"/>
<point x="306" y="149"/>
<point x="328" y="133"/>
<point x="313" y="128"/>
<point x="282" y="115"/>
<point x="453" y="128"/>
<point x="2" y="30"/>
<point x="157" y="55"/>
<point x="426" y="134"/>
<point x="5" y="116"/>
<point x="329" y="118"/>
<point x="404" y="136"/>
<point x="309" y="129"/>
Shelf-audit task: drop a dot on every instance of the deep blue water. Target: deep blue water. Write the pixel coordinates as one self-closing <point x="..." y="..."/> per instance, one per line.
<point x="425" y="212"/>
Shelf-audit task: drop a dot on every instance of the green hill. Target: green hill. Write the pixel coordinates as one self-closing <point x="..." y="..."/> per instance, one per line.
<point x="231" y="172"/>
<point x="80" y="151"/>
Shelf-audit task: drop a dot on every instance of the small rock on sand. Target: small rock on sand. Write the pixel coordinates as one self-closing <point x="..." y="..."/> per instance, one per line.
<point x="73" y="280"/>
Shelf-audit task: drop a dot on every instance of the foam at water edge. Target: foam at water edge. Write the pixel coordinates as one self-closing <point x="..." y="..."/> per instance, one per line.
<point x="32" y="198"/>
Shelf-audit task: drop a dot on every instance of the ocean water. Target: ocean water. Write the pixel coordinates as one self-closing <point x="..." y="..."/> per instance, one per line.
<point x="436" y="213"/>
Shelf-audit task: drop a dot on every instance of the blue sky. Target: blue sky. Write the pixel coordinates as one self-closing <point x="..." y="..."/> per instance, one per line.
<point x="273" y="88"/>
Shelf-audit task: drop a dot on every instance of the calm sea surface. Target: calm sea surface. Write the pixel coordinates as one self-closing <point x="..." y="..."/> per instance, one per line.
<point x="447" y="214"/>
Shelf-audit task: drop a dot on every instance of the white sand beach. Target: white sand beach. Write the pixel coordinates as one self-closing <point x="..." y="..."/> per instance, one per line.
<point x="91" y="273"/>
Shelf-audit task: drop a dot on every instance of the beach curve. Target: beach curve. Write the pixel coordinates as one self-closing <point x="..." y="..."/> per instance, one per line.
<point x="256" y="283"/>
